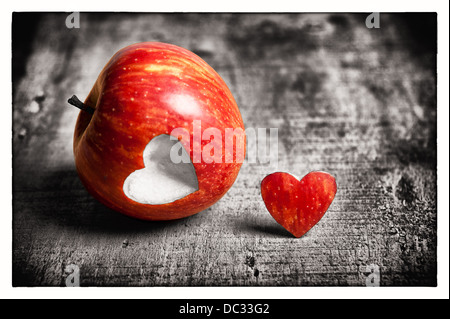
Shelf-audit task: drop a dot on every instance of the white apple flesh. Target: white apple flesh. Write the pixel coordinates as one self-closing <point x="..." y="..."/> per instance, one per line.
<point x="161" y="181"/>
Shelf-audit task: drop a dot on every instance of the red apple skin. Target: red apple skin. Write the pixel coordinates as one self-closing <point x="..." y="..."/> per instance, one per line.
<point x="298" y="205"/>
<point x="132" y="100"/>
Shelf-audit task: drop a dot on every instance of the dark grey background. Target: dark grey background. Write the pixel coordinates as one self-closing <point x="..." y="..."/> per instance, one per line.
<point x="358" y="103"/>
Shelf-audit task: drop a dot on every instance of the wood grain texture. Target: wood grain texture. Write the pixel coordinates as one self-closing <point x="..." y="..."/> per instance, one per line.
<point x="355" y="102"/>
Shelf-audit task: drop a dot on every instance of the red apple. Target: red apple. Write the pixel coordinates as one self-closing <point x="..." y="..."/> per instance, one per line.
<point x="298" y="205"/>
<point x="122" y="138"/>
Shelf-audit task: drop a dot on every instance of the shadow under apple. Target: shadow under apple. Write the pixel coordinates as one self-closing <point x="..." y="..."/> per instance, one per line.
<point x="63" y="201"/>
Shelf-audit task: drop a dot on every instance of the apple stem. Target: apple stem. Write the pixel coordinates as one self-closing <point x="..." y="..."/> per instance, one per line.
<point x="76" y="102"/>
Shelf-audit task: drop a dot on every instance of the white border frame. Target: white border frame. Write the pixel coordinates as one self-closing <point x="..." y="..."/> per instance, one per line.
<point x="440" y="292"/>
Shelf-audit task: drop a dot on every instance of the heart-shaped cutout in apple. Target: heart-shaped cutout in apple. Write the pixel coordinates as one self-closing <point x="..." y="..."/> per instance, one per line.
<point x="162" y="180"/>
<point x="295" y="204"/>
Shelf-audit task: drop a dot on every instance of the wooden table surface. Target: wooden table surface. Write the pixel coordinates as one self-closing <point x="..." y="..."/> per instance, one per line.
<point x="358" y="103"/>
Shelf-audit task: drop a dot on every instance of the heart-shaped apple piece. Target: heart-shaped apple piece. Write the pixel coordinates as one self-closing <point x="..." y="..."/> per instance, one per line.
<point x="162" y="180"/>
<point x="295" y="204"/>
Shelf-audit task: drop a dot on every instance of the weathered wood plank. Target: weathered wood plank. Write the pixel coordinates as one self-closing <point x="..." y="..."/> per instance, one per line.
<point x="359" y="103"/>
